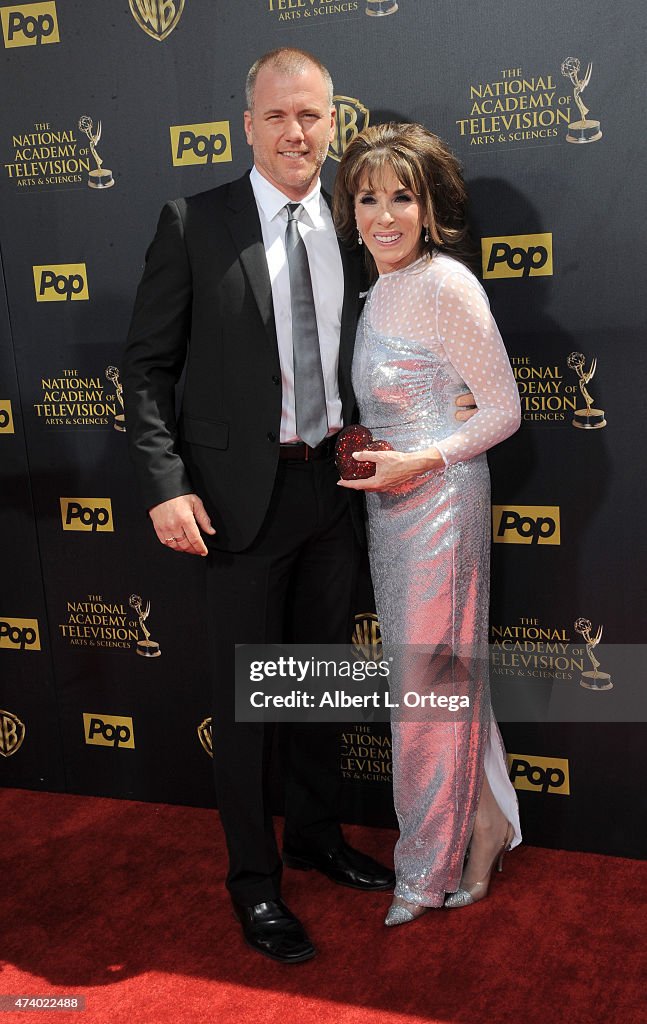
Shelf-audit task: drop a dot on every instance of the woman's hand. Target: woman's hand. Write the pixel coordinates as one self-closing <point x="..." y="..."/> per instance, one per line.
<point x="392" y="469"/>
<point x="466" y="407"/>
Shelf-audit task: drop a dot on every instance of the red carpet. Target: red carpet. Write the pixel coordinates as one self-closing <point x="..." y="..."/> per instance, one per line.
<point x="123" y="903"/>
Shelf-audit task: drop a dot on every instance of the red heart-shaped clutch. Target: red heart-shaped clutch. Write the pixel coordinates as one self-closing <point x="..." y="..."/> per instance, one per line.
<point x="357" y="438"/>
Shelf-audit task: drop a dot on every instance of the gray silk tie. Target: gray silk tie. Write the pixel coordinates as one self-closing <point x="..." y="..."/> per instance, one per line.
<point x="309" y="393"/>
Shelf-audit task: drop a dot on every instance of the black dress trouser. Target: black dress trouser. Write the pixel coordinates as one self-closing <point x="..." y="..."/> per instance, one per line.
<point x="294" y="584"/>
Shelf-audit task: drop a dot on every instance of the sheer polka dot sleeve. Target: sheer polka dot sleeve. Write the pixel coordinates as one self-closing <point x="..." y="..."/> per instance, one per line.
<point x="473" y="345"/>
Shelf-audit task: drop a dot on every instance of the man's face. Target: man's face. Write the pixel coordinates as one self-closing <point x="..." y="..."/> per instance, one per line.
<point x="290" y="129"/>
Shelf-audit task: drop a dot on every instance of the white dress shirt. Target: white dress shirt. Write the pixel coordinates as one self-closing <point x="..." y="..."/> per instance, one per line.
<point x="327" y="275"/>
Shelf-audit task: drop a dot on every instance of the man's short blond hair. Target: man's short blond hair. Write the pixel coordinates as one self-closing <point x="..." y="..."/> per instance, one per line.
<point x="287" y="61"/>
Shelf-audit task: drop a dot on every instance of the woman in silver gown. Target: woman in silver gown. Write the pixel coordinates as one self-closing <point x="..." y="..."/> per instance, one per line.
<point x="427" y="335"/>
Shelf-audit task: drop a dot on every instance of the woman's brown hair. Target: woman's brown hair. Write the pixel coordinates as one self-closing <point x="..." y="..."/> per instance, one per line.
<point x="425" y="166"/>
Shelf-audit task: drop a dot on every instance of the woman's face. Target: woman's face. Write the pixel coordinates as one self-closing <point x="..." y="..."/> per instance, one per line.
<point x="390" y="221"/>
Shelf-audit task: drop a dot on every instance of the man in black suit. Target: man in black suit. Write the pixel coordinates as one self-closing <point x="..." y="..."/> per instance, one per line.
<point x="217" y="298"/>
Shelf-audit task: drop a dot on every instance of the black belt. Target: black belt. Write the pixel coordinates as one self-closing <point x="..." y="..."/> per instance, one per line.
<point x="302" y="452"/>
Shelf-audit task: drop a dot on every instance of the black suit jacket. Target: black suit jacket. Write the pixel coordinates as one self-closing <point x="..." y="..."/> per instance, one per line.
<point x="205" y="301"/>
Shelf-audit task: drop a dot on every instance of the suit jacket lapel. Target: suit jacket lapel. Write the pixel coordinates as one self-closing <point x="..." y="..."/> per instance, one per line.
<point x="245" y="227"/>
<point x="349" y="315"/>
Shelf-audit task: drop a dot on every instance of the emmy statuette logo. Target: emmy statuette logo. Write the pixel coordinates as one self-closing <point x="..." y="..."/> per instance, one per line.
<point x="593" y="680"/>
<point x="6" y="416"/>
<point x="29" y="24"/>
<point x="119" y="419"/>
<point x="147" y="648"/>
<point x="352" y="118"/>
<point x="12" y="733"/>
<point x="380" y="8"/>
<point x="589" y="418"/>
<point x="205" y="735"/>
<point x="157" y="18"/>
<point x="584" y="130"/>
<point x="100" y="177"/>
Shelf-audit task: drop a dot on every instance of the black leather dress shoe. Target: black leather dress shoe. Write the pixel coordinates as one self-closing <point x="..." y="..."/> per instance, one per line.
<point x="342" y="864"/>
<point x="273" y="930"/>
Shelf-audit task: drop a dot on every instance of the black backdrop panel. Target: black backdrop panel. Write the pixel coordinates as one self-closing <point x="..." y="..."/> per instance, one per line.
<point x="561" y="223"/>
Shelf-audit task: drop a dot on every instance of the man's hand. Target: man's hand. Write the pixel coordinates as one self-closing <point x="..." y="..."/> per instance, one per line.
<point x="466" y="407"/>
<point x="178" y="523"/>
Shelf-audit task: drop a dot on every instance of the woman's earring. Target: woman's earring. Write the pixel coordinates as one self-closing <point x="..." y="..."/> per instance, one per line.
<point x="426" y="235"/>
<point x="360" y="240"/>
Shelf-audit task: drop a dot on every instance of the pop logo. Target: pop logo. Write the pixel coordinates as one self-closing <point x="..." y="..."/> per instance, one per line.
<point x="6" y="417"/>
<point x="539" y="774"/>
<point x="207" y="143"/>
<point x="526" y="524"/>
<point x="109" y="731"/>
<point x="60" y="282"/>
<point x="518" y="256"/>
<point x="30" y="24"/>
<point x="90" y="515"/>
<point x="19" y="634"/>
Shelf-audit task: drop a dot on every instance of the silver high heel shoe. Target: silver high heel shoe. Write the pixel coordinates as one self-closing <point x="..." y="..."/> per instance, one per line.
<point x="401" y="912"/>
<point x="479" y="890"/>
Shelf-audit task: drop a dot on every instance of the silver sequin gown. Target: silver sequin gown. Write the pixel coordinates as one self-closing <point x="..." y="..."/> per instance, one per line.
<point x="425" y="336"/>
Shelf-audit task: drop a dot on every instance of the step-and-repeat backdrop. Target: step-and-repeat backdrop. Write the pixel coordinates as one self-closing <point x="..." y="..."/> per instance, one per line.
<point x="117" y="107"/>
